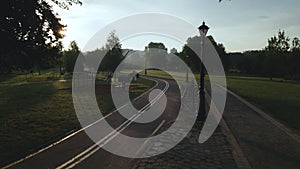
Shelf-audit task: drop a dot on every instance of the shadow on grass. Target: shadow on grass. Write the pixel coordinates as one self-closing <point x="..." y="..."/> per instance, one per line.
<point x="34" y="115"/>
<point x="30" y="116"/>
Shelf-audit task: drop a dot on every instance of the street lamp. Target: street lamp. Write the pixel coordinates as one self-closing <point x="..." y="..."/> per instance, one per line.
<point x="203" y="29"/>
<point x="146" y="50"/>
<point x="187" y="69"/>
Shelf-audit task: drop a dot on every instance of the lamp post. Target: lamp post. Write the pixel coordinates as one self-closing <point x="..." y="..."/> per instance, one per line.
<point x="187" y="70"/>
<point x="203" y="29"/>
<point x="146" y="50"/>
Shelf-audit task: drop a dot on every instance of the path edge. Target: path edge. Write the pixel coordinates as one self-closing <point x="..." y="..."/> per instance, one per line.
<point x="237" y="153"/>
<point x="266" y="116"/>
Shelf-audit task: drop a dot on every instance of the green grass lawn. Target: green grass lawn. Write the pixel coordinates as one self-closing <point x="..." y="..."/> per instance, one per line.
<point x="32" y="77"/>
<point x="104" y="98"/>
<point x="157" y="73"/>
<point x="33" y="115"/>
<point x="280" y="98"/>
<point x="181" y="76"/>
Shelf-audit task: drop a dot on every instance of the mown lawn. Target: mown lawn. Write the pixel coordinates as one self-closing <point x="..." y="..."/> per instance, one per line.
<point x="32" y="77"/>
<point x="280" y="98"/>
<point x="32" y="115"/>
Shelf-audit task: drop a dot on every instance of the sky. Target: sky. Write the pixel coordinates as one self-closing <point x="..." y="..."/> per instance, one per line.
<point x="239" y="24"/>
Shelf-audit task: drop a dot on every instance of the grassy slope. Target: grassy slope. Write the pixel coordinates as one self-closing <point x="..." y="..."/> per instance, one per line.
<point x="33" y="115"/>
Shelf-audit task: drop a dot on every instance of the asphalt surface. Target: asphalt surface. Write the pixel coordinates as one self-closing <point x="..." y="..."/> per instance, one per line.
<point x="66" y="154"/>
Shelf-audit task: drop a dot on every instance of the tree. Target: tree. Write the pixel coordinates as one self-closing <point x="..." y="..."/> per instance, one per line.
<point x="114" y="55"/>
<point x="279" y="43"/>
<point x="193" y="60"/>
<point x="252" y="62"/>
<point x="70" y="56"/>
<point x="28" y="29"/>
<point x="295" y="44"/>
<point x="276" y="53"/>
<point x="155" y="53"/>
<point x="66" y="3"/>
<point x="190" y="57"/>
<point x="293" y="60"/>
<point x="30" y="34"/>
<point x="220" y="48"/>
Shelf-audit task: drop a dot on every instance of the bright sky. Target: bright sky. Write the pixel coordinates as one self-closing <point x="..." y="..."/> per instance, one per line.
<point x="239" y="24"/>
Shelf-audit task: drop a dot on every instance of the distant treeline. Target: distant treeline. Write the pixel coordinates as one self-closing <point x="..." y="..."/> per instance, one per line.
<point x="280" y="58"/>
<point x="264" y="63"/>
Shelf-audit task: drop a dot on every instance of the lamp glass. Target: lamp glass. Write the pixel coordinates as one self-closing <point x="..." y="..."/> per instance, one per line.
<point x="203" y="29"/>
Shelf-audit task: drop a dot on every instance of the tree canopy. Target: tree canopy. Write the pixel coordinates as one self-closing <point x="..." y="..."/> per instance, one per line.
<point x="30" y="34"/>
<point x="65" y="4"/>
<point x="70" y="56"/>
<point x="155" y="53"/>
<point x="279" y="43"/>
<point x="191" y="58"/>
<point x="280" y="58"/>
<point x="114" y="55"/>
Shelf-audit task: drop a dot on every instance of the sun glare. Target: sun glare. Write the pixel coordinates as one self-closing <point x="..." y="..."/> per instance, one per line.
<point x="61" y="33"/>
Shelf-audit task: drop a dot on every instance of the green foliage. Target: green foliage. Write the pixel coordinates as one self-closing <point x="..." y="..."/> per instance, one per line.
<point x="155" y="53"/>
<point x="279" y="58"/>
<point x="295" y="44"/>
<point x="156" y="45"/>
<point x="111" y="53"/>
<point x="30" y="34"/>
<point x="113" y="56"/>
<point x="279" y="43"/>
<point x="65" y="4"/>
<point x="190" y="57"/>
<point x="70" y="56"/>
<point x="220" y="48"/>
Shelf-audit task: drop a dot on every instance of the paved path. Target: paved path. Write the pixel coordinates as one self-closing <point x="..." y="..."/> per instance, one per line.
<point x="263" y="142"/>
<point x="216" y="153"/>
<point x="265" y="145"/>
<point x="78" y="151"/>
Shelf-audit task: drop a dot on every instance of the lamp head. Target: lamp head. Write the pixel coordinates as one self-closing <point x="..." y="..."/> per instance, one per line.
<point x="203" y="29"/>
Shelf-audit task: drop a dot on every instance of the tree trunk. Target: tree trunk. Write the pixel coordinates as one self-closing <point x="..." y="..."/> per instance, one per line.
<point x="39" y="70"/>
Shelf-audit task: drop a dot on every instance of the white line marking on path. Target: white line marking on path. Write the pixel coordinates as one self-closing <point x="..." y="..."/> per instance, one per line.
<point x="94" y="148"/>
<point x="78" y="131"/>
